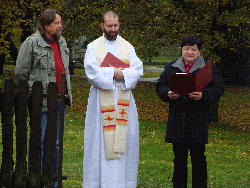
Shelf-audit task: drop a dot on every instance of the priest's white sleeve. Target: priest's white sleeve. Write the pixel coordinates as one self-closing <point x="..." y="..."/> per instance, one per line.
<point x="133" y="73"/>
<point x="97" y="76"/>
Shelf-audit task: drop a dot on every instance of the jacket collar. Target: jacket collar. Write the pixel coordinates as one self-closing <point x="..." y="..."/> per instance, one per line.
<point x="43" y="43"/>
<point x="197" y="65"/>
<point x="46" y="39"/>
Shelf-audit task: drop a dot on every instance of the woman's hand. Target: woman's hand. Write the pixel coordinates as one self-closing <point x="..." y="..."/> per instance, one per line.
<point x="172" y="95"/>
<point x="195" y="95"/>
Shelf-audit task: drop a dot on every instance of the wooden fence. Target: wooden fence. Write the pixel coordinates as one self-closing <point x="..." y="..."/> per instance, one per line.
<point x="17" y="100"/>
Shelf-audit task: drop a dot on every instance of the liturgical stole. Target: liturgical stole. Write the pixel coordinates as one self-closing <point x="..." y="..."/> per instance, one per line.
<point x="114" y="120"/>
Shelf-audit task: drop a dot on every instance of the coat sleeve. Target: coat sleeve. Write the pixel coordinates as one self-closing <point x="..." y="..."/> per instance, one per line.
<point x="133" y="73"/>
<point x="24" y="61"/>
<point x="163" y="86"/>
<point x="98" y="77"/>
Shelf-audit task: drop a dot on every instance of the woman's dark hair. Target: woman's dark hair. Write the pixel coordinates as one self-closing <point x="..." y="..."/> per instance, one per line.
<point x="192" y="40"/>
<point x="46" y="18"/>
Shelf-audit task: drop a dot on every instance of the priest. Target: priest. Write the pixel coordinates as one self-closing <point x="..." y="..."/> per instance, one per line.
<point x="111" y="135"/>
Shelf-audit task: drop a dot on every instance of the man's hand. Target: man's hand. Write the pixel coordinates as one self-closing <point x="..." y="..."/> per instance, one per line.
<point x="118" y="75"/>
<point x="172" y="95"/>
<point x="195" y="95"/>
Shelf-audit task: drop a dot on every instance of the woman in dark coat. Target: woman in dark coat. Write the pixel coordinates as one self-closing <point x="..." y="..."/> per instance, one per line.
<point x="187" y="127"/>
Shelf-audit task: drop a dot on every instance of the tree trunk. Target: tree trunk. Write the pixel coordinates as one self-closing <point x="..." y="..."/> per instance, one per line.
<point x="214" y="112"/>
<point x="2" y="61"/>
<point x="13" y="48"/>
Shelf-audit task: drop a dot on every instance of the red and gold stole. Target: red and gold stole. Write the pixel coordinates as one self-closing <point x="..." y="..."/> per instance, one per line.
<point x="114" y="120"/>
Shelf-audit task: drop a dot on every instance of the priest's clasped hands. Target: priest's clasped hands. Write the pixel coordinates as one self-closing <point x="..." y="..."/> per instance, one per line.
<point x="118" y="75"/>
<point x="193" y="95"/>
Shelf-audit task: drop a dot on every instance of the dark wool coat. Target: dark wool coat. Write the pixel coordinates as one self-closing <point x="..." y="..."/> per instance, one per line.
<point x="188" y="118"/>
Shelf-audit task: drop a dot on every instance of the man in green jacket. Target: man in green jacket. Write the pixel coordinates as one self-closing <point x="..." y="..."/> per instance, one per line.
<point x="44" y="56"/>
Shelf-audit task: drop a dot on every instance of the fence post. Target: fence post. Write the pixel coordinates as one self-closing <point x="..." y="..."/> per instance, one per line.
<point x="50" y="135"/>
<point x="7" y="134"/>
<point x="1" y="111"/>
<point x="35" y="109"/>
<point x="62" y="106"/>
<point x="21" y="114"/>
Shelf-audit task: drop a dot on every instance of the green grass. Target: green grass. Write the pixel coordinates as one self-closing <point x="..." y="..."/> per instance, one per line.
<point x="73" y="150"/>
<point x="227" y="155"/>
<point x="151" y="74"/>
<point x="227" y="152"/>
<point x="165" y="58"/>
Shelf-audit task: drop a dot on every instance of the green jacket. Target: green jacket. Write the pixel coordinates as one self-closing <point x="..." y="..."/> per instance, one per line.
<point x="35" y="62"/>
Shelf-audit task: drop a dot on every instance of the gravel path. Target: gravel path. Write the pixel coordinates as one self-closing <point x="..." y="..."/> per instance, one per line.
<point x="153" y="69"/>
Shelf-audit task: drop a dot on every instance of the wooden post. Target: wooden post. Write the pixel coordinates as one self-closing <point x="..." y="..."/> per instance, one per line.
<point x="1" y="110"/>
<point x="50" y="135"/>
<point x="21" y="114"/>
<point x="62" y="106"/>
<point x="7" y="134"/>
<point x="35" y="134"/>
<point x="1" y="99"/>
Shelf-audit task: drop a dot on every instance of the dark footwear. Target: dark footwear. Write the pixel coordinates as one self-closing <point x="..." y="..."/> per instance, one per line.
<point x="180" y="184"/>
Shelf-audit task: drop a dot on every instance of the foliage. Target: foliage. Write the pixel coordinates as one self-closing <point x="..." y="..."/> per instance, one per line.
<point x="222" y="23"/>
<point x="147" y="24"/>
<point x="18" y="19"/>
<point x="233" y="107"/>
<point x="141" y="22"/>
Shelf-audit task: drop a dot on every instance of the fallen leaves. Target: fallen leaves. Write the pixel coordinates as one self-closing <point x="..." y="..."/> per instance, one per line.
<point x="234" y="105"/>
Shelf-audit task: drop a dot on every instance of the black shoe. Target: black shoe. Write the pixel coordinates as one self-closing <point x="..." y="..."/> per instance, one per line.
<point x="180" y="184"/>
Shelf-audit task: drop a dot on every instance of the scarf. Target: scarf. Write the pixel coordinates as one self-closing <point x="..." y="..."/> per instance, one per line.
<point x="114" y="120"/>
<point x="187" y="66"/>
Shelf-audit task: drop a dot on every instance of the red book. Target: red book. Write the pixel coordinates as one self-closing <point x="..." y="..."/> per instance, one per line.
<point x="183" y="83"/>
<point x="111" y="60"/>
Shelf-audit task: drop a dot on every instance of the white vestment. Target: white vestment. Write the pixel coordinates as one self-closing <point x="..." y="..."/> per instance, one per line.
<point x="97" y="171"/>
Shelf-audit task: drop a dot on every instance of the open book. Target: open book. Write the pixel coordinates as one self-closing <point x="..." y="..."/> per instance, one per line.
<point x="183" y="83"/>
<point x="111" y="60"/>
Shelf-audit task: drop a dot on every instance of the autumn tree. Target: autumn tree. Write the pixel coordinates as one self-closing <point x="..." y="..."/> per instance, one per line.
<point x="146" y="24"/>
<point x="17" y="21"/>
<point x="142" y="22"/>
<point x="149" y="25"/>
<point x="224" y="26"/>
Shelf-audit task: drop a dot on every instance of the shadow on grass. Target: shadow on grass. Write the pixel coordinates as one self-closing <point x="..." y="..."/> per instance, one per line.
<point x="227" y="126"/>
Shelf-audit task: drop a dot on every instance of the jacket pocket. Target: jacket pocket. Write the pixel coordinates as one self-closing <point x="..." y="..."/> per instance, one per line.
<point x="40" y="59"/>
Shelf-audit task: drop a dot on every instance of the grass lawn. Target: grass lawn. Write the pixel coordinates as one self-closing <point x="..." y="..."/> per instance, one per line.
<point x="168" y="58"/>
<point x="227" y="152"/>
<point x="227" y="155"/>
